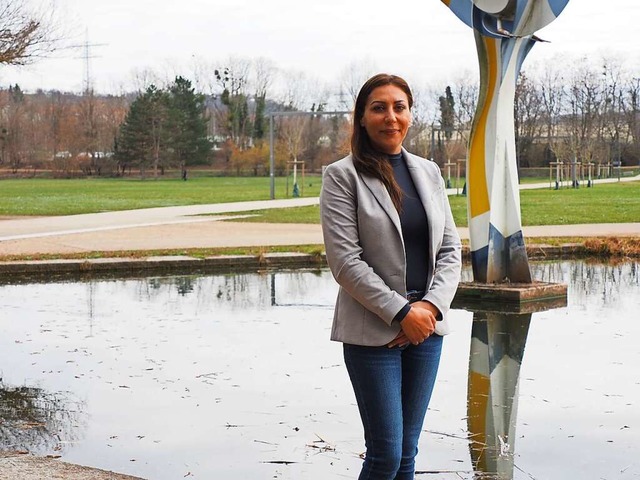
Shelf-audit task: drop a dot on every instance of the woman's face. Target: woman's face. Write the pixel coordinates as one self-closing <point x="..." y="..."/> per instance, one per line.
<point x="387" y="118"/>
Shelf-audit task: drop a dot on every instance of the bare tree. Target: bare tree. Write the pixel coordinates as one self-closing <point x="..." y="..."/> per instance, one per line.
<point x="12" y="133"/>
<point x="528" y="111"/>
<point x="291" y="130"/>
<point x="143" y="78"/>
<point x="233" y="116"/>
<point x="465" y="90"/>
<point x="631" y="107"/>
<point x="585" y="104"/>
<point x="423" y="115"/>
<point x="27" y="32"/>
<point x="612" y="116"/>
<point x="552" y="96"/>
<point x="447" y="132"/>
<point x="352" y="79"/>
<point x="264" y="71"/>
<point x="263" y="75"/>
<point x="302" y="92"/>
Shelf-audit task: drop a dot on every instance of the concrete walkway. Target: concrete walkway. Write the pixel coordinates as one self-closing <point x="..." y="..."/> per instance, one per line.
<point x="193" y="227"/>
<point x="190" y="227"/>
<point x="23" y="228"/>
<point x="565" y="184"/>
<point x="154" y="229"/>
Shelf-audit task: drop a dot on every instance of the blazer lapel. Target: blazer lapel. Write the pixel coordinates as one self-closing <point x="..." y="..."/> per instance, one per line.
<point x="380" y="193"/>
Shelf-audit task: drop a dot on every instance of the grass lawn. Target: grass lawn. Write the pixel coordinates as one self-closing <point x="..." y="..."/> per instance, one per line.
<point x="42" y="197"/>
<point x="607" y="203"/>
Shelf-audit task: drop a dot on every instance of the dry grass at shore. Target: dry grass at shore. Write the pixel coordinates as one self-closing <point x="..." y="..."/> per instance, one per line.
<point x="538" y="247"/>
<point x="613" y="246"/>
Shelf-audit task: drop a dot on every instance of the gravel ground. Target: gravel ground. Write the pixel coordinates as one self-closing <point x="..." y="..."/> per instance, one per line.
<point x="27" y="467"/>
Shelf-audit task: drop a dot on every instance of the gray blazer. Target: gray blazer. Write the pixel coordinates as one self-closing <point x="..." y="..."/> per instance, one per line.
<point x="365" y="250"/>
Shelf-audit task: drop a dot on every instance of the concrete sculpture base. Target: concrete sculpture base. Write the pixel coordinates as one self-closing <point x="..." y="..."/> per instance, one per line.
<point x="510" y="297"/>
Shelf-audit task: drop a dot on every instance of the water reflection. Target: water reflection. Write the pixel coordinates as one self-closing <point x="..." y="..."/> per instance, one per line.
<point x="241" y="291"/>
<point x="497" y="348"/>
<point x="233" y="376"/>
<point x="586" y="278"/>
<point x="36" y="421"/>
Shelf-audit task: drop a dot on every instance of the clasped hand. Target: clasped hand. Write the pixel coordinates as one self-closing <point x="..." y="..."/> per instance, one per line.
<point x="417" y="326"/>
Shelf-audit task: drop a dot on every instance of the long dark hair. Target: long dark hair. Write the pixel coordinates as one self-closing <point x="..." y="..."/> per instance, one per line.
<point x="365" y="158"/>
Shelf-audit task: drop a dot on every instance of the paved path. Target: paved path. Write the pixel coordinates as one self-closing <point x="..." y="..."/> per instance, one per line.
<point x="565" y="184"/>
<point x="22" y="228"/>
<point x="194" y="226"/>
<point x="154" y="229"/>
<point x="190" y="227"/>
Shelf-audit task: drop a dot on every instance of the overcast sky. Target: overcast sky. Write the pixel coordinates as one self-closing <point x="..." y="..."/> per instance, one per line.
<point x="419" y="39"/>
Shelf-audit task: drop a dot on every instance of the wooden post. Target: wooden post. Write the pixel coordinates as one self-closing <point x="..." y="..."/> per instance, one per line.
<point x="449" y="164"/>
<point x="459" y="162"/>
<point x="558" y="166"/>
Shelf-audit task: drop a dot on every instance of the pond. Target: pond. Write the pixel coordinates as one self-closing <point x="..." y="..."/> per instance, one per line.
<point x="233" y="377"/>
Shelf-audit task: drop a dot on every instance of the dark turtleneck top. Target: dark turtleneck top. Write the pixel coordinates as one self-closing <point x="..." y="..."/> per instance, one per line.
<point x="415" y="230"/>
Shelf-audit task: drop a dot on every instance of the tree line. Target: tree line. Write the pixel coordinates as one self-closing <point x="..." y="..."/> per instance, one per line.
<point x="569" y="110"/>
<point x="572" y="111"/>
<point x="219" y="119"/>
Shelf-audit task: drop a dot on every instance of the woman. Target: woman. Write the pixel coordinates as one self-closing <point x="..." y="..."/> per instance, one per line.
<point x="394" y="250"/>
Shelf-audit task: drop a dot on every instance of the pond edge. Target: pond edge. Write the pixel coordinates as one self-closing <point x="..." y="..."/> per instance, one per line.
<point x="21" y="271"/>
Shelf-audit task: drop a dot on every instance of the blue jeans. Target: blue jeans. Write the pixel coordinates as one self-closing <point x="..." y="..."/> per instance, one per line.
<point x="393" y="387"/>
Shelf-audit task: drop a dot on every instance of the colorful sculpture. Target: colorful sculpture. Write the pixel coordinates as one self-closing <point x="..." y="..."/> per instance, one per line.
<point x="504" y="32"/>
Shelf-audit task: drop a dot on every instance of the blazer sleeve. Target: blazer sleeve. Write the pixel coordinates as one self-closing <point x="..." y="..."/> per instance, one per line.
<point x="339" y="216"/>
<point x="448" y="262"/>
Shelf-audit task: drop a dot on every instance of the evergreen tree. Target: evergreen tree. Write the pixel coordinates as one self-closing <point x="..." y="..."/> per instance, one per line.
<point x="447" y="113"/>
<point x="260" y="120"/>
<point x="187" y="139"/>
<point x="165" y="127"/>
<point x="141" y="140"/>
<point x="13" y="142"/>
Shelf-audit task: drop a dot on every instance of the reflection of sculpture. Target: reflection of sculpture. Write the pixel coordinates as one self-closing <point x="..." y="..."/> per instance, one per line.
<point x="36" y="421"/>
<point x="504" y="32"/>
<point x="497" y="348"/>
